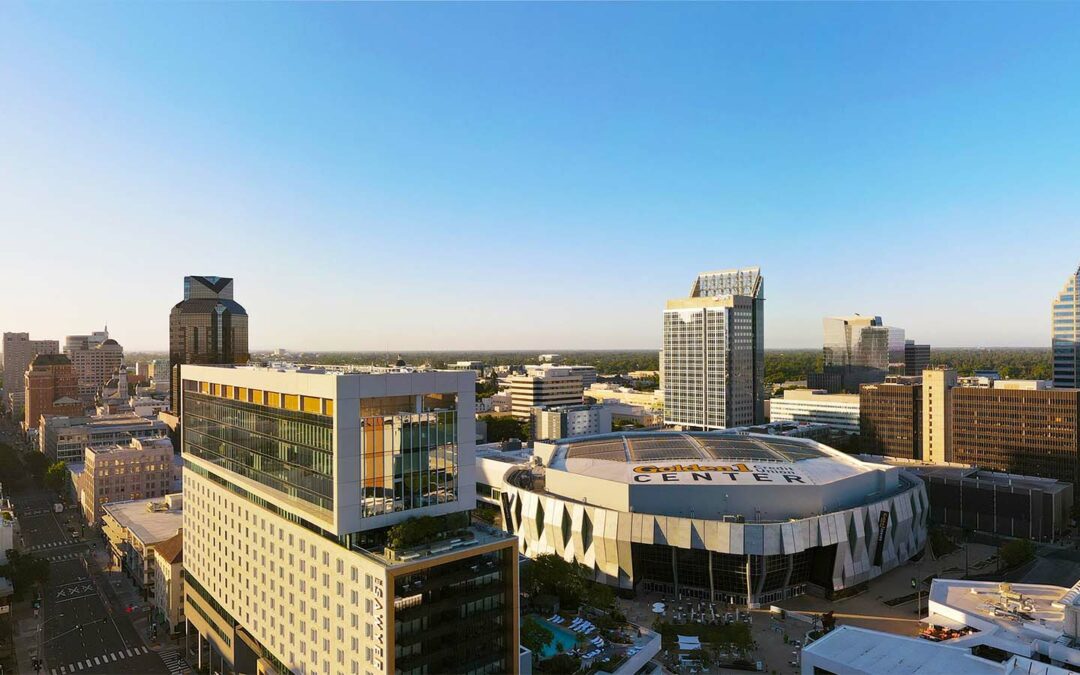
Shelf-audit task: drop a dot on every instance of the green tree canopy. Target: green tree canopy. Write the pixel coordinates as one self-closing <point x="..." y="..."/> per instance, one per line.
<point x="1016" y="552"/>
<point x="56" y="477"/>
<point x="535" y="636"/>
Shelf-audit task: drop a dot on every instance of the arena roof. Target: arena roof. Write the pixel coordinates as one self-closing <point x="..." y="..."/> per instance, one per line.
<point x="705" y="446"/>
<point x="703" y="458"/>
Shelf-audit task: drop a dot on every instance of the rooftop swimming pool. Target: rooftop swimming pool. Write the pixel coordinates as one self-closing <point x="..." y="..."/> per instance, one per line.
<point x="561" y="637"/>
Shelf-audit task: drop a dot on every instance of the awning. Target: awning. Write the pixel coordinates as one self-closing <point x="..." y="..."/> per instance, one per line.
<point x="944" y="622"/>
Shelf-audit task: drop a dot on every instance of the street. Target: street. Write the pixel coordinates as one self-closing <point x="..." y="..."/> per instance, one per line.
<point x="85" y="629"/>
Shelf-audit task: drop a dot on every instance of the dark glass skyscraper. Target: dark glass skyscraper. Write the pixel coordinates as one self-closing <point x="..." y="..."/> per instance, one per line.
<point x="206" y="327"/>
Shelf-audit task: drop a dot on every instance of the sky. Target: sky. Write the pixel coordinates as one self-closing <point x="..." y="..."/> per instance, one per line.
<point x="516" y="176"/>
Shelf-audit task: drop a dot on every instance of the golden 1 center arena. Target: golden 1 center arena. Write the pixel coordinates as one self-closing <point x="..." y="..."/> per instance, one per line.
<point x="724" y="516"/>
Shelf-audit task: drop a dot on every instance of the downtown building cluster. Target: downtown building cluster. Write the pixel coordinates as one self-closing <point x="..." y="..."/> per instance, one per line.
<point x="325" y="522"/>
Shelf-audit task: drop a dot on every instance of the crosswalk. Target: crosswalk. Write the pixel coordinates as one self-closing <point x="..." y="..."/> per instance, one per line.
<point x="96" y="661"/>
<point x="51" y="544"/>
<point x="175" y="663"/>
<point x="63" y="556"/>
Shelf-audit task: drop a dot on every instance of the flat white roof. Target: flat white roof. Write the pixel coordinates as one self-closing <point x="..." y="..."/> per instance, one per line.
<point x="149" y="527"/>
<point x="860" y="650"/>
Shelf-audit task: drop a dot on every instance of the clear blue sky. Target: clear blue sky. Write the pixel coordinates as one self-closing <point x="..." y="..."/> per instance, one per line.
<point x="515" y="176"/>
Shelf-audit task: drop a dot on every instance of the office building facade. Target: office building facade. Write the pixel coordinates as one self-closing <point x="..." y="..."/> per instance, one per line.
<point x="64" y="438"/>
<point x="19" y="352"/>
<point x="207" y="327"/>
<point x="96" y="358"/>
<point x="543" y="387"/>
<point x="51" y="388"/>
<point x="1028" y="432"/>
<point x="916" y="358"/>
<point x="299" y="491"/>
<point x="141" y="469"/>
<point x="571" y="420"/>
<point x="890" y="419"/>
<point x="1065" y="331"/>
<point x="838" y="411"/>
<point x="938" y="386"/>
<point x="713" y="368"/>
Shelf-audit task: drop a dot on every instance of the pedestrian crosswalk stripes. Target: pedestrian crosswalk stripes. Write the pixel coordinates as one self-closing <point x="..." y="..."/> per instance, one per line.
<point x="101" y="659"/>
<point x="51" y="544"/>
<point x="175" y="663"/>
<point x="63" y="556"/>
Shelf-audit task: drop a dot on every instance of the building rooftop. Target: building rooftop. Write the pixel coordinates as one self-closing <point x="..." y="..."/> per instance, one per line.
<point x="692" y="446"/>
<point x="148" y="525"/>
<point x="51" y="360"/>
<point x="861" y="650"/>
<point x="963" y="471"/>
<point x="172" y="549"/>
<point x="1016" y="618"/>
<point x="849" y="649"/>
<point x="98" y="422"/>
<point x="817" y="395"/>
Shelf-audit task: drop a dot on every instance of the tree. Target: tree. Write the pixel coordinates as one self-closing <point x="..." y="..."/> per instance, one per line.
<point x="548" y="574"/>
<point x="828" y="621"/>
<point x="25" y="571"/>
<point x="36" y="465"/>
<point x="506" y="427"/>
<point x="564" y="664"/>
<point x="1016" y="552"/>
<point x="56" y="478"/>
<point x="535" y="636"/>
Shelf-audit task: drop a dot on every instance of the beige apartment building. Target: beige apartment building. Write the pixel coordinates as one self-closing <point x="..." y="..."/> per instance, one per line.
<point x="168" y="599"/>
<point x="141" y="469"/>
<point x="137" y="532"/>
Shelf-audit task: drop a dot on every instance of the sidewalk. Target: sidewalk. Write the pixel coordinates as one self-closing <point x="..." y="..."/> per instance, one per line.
<point x="121" y="593"/>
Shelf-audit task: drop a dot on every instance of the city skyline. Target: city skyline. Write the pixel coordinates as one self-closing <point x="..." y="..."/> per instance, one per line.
<point x="866" y="162"/>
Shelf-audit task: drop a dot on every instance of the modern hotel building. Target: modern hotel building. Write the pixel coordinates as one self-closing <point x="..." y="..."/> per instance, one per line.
<point x="294" y="482"/>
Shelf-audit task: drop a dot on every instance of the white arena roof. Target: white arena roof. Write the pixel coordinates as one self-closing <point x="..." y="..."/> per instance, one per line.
<point x="704" y="459"/>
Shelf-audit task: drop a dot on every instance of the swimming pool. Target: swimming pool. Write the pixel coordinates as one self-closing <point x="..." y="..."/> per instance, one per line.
<point x="562" y="637"/>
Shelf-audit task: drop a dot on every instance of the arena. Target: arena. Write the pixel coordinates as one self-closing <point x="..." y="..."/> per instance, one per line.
<point x="732" y="517"/>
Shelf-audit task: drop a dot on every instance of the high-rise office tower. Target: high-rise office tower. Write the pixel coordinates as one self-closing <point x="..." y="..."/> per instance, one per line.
<point x="859" y="341"/>
<point x="206" y="327"/>
<point x="714" y="352"/>
<point x="916" y="358"/>
<point x="19" y="352"/>
<point x="301" y="551"/>
<point x="857" y="350"/>
<point x="51" y="387"/>
<point x="1065" y="333"/>
<point x="96" y="358"/>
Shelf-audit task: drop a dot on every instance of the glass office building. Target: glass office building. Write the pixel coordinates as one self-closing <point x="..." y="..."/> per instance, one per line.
<point x="1065" y="331"/>
<point x="206" y="327"/>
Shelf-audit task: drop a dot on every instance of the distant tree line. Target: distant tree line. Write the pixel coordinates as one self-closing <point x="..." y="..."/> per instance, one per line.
<point x="781" y="365"/>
